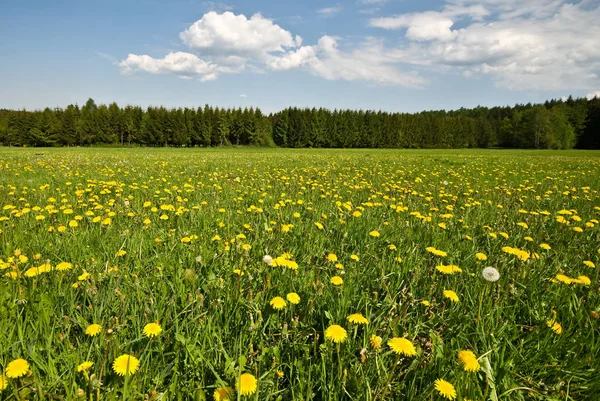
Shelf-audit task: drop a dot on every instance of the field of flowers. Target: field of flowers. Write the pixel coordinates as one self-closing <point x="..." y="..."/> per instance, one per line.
<point x="165" y="274"/>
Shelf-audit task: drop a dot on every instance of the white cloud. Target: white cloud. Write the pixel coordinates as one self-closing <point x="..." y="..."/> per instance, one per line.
<point x="243" y="95"/>
<point x="592" y="95"/>
<point x="329" y="11"/>
<point x="372" y="2"/>
<point x="551" y="47"/>
<point x="230" y="33"/>
<point x="229" y="44"/>
<point x="429" y="25"/>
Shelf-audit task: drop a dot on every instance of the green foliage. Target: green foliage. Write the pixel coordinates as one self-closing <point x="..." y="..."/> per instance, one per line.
<point x="557" y="124"/>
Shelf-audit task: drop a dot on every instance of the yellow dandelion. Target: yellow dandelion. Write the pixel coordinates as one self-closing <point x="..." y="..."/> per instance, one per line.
<point x="589" y="263"/>
<point x="17" y="368"/>
<point x="336" y="333"/>
<point x="426" y="302"/>
<point x="93" y="330"/>
<point x="278" y="303"/>
<point x="223" y="394"/>
<point x="555" y="326"/>
<point x="3" y="383"/>
<point x="152" y="330"/>
<point x="402" y="346"/>
<point x="84" y="366"/>
<point x="445" y="389"/>
<point x="126" y="365"/>
<point x="357" y="318"/>
<point x="374" y="234"/>
<point x="332" y="257"/>
<point x="246" y="384"/>
<point x="293" y="298"/>
<point x="375" y="341"/>
<point x="545" y="247"/>
<point x="336" y="280"/>
<point x="564" y="279"/>
<point x="480" y="256"/>
<point x="451" y="295"/>
<point x="62" y="266"/>
<point x="469" y="361"/>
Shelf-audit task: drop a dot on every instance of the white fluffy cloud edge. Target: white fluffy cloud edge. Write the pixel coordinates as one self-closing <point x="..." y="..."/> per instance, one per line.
<point x="541" y="45"/>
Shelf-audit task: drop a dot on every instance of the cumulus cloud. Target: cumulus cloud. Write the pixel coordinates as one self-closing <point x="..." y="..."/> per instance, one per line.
<point x="592" y="95"/>
<point x="227" y="44"/>
<point x="548" y="47"/>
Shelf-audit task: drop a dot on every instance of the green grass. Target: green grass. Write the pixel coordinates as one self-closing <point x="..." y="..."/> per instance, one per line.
<point x="217" y="324"/>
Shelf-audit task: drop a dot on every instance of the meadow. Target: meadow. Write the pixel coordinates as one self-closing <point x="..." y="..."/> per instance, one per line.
<point x="271" y="274"/>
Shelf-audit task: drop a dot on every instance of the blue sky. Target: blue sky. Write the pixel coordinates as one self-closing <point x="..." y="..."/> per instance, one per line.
<point x="395" y="55"/>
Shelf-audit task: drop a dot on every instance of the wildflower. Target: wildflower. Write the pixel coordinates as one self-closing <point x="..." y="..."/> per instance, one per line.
<point x="555" y="326"/>
<point x="450" y="269"/>
<point x="293" y="298"/>
<point x="490" y="274"/>
<point x="278" y="303"/>
<point x="564" y="279"/>
<point x="375" y="341"/>
<point x="267" y="259"/>
<point x="246" y="384"/>
<point x="3" y="383"/>
<point x="480" y="256"/>
<point x="469" y="361"/>
<point x="332" y="257"/>
<point x="589" y="263"/>
<point x="585" y="280"/>
<point x="402" y="346"/>
<point x="336" y="280"/>
<point x="93" y="330"/>
<point x="374" y="234"/>
<point x="354" y="257"/>
<point x="17" y="368"/>
<point x="545" y="247"/>
<point x="152" y="330"/>
<point x="425" y="302"/>
<point x="126" y="365"/>
<point x="336" y="333"/>
<point x="436" y="252"/>
<point x="451" y="295"/>
<point x="357" y="318"/>
<point x="62" y="266"/>
<point x="83" y="367"/>
<point x="445" y="389"/>
<point x="223" y="394"/>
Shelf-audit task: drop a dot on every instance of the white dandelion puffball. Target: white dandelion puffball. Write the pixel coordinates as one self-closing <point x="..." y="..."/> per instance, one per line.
<point x="199" y="259"/>
<point x="267" y="259"/>
<point x="490" y="274"/>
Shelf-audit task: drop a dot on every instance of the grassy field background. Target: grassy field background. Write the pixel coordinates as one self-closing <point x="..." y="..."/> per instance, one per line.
<point x="127" y="237"/>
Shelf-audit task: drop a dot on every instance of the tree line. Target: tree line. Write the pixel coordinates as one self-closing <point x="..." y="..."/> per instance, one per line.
<point x="556" y="124"/>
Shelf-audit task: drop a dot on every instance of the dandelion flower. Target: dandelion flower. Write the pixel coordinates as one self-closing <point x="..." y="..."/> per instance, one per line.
<point x="336" y="333"/>
<point x="469" y="361"/>
<point x="564" y="279"/>
<point x="152" y="330"/>
<point x="3" y="383"/>
<point x="545" y="247"/>
<point x="293" y="298"/>
<point x="589" y="263"/>
<point x="357" y="318"/>
<point x="17" y="368"/>
<point x="555" y="326"/>
<point x="445" y="389"/>
<point x="84" y="366"/>
<point x="449" y="269"/>
<point x="336" y="280"/>
<point x="490" y="274"/>
<point x="223" y="394"/>
<point x="451" y="295"/>
<point x="585" y="280"/>
<point x="374" y="234"/>
<point x="93" y="330"/>
<point x="268" y="260"/>
<point x="480" y="256"/>
<point x="426" y="302"/>
<point x="375" y="341"/>
<point x="332" y="257"/>
<point x="402" y="346"/>
<point x="278" y="303"/>
<point x="62" y="266"/>
<point x="246" y="384"/>
<point x="126" y="365"/>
